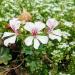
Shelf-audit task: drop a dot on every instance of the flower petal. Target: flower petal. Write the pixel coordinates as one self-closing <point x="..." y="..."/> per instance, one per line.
<point x="14" y="23"/>
<point x="28" y="26"/>
<point x="52" y="23"/>
<point x="10" y="40"/>
<point x="36" y="43"/>
<point x="57" y="32"/>
<point x="43" y="39"/>
<point x="6" y="34"/>
<point x="39" y="25"/>
<point x="28" y="40"/>
<point x="52" y="37"/>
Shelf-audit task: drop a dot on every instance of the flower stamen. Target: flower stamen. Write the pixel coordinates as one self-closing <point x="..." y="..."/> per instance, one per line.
<point x="34" y="32"/>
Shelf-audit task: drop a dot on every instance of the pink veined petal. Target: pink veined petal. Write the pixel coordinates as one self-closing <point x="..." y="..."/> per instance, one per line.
<point x="36" y="43"/>
<point x="29" y="26"/>
<point x="39" y="25"/>
<point x="43" y="39"/>
<point x="10" y="40"/>
<point x="52" y="23"/>
<point x="14" y="23"/>
<point x="28" y="40"/>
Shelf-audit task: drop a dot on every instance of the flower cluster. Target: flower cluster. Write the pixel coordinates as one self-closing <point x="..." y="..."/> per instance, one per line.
<point x="36" y="37"/>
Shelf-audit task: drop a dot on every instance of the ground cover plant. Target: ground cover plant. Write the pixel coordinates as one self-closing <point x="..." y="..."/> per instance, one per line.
<point x="37" y="37"/>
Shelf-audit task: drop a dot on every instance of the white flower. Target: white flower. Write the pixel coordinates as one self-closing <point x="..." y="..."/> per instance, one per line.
<point x="9" y="37"/>
<point x="63" y="73"/>
<point x="56" y="9"/>
<point x="63" y="45"/>
<point x="65" y="34"/>
<point x="72" y="43"/>
<point x="69" y="24"/>
<point x="53" y="34"/>
<point x="34" y="29"/>
<point x="73" y="54"/>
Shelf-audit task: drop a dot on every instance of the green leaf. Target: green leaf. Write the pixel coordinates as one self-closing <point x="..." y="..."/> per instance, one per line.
<point x="4" y="55"/>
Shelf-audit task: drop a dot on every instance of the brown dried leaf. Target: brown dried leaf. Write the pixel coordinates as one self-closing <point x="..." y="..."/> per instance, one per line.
<point x="25" y="16"/>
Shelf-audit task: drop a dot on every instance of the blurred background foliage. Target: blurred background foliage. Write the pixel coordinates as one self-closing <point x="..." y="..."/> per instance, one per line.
<point x="56" y="58"/>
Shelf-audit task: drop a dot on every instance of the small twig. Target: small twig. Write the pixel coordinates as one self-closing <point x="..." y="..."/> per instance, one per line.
<point x="2" y="67"/>
<point x="46" y="58"/>
<point x="14" y="67"/>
